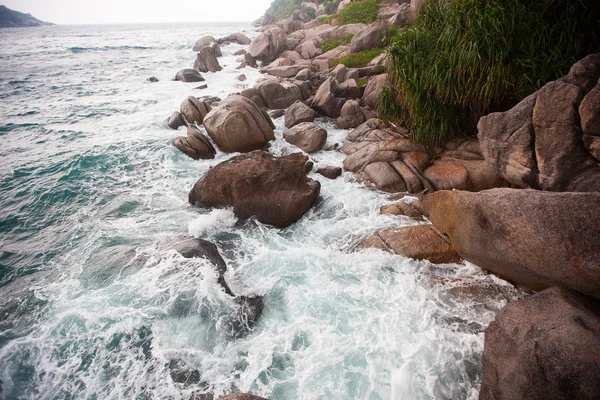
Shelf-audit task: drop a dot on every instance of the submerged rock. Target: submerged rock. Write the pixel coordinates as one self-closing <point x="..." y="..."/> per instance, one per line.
<point x="153" y="79"/>
<point x="274" y="190"/>
<point x="240" y="396"/>
<point x="238" y="125"/>
<point x="175" y="120"/>
<point x="532" y="238"/>
<point x="189" y="75"/>
<point x="420" y="242"/>
<point x="330" y="172"/>
<point x="546" y="346"/>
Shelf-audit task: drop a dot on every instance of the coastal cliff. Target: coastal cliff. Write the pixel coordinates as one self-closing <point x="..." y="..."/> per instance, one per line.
<point x="14" y="19"/>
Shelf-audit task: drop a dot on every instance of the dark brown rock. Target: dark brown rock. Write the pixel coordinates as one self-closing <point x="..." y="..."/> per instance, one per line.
<point x="194" y="110"/>
<point x="298" y="113"/>
<point x="325" y="101"/>
<point x="330" y="172"/>
<point x="546" y="346"/>
<point x="203" y="42"/>
<point x="206" y="60"/>
<point x="538" y="144"/>
<point x="419" y="242"/>
<point x="189" y="75"/>
<point x="268" y="44"/>
<point x="175" y="120"/>
<point x="589" y="112"/>
<point x="307" y="136"/>
<point x="533" y="238"/>
<point x="274" y="190"/>
<point x="239" y="125"/>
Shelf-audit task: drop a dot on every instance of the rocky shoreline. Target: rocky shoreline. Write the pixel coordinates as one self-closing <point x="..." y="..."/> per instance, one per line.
<point x="520" y="200"/>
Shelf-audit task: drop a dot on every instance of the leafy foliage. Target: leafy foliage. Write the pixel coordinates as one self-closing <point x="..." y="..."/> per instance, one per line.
<point x="283" y="8"/>
<point x="310" y="11"/>
<point x="357" y="60"/>
<point x="360" y="11"/>
<point x="329" y="44"/>
<point x="331" y="6"/>
<point x="467" y="58"/>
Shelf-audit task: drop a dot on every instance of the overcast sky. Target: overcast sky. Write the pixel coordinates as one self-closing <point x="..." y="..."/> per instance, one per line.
<point x="133" y="11"/>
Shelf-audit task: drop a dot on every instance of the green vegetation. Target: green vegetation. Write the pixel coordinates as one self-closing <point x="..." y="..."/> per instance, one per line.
<point x="361" y="11"/>
<point x="357" y="60"/>
<point x="330" y="44"/>
<point x="310" y="11"/>
<point x="362" y="82"/>
<point x="283" y="8"/>
<point x="392" y="34"/>
<point x="327" y="19"/>
<point x="331" y="6"/>
<point x="467" y="58"/>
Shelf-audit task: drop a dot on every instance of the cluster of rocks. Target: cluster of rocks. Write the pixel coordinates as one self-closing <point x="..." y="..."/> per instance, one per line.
<point x="471" y="190"/>
<point x="540" y="232"/>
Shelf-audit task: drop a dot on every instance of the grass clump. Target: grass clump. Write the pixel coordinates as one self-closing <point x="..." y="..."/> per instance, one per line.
<point x="467" y="58"/>
<point x="327" y="19"/>
<point x="330" y="44"/>
<point x="357" y="60"/>
<point x="361" y="11"/>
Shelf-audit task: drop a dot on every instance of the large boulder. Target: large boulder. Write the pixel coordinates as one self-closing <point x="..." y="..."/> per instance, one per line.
<point x="310" y="48"/>
<point x="288" y="71"/>
<point x="274" y="190"/>
<point x="539" y="143"/>
<point x="325" y="101"/>
<point x="206" y="61"/>
<point x="175" y="120"/>
<point x="194" y="110"/>
<point x="189" y="75"/>
<point x="533" y="238"/>
<point x="420" y="242"/>
<point x="238" y="125"/>
<point x="195" y="145"/>
<point x="373" y="90"/>
<point x="279" y="95"/>
<point x="298" y="113"/>
<point x="352" y="115"/>
<point x="204" y="42"/>
<point x="237" y="37"/>
<point x="265" y="20"/>
<point x="546" y="346"/>
<point x="308" y="136"/>
<point x="370" y="37"/>
<point x="268" y="44"/>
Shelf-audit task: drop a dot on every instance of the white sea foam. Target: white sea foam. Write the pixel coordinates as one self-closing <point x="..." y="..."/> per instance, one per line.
<point x="118" y="315"/>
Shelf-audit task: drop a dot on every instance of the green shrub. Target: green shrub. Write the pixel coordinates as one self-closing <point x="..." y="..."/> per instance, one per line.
<point x="327" y="19"/>
<point x="283" y="8"/>
<point x="357" y="60"/>
<point x="392" y="34"/>
<point x="331" y="6"/>
<point x="330" y="44"/>
<point x="361" y="11"/>
<point x="310" y="11"/>
<point x="463" y="60"/>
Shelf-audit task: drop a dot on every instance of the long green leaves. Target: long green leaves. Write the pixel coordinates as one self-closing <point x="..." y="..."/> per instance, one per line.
<point x="464" y="59"/>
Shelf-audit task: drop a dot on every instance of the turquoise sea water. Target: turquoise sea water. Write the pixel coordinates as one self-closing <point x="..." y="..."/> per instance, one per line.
<point x="93" y="307"/>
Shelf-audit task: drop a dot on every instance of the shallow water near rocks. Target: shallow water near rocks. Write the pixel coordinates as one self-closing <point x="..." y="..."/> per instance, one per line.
<point x="94" y="307"/>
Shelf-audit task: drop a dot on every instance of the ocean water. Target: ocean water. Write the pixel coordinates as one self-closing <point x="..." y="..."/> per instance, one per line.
<point x="93" y="307"/>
